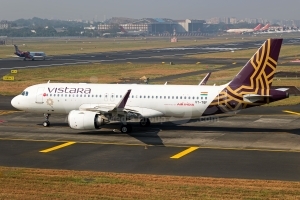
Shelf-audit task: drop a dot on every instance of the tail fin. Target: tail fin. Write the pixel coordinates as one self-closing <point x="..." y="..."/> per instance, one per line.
<point x="122" y="29"/>
<point x="257" y="28"/>
<point x="258" y="73"/>
<point x="266" y="27"/>
<point x="16" y="48"/>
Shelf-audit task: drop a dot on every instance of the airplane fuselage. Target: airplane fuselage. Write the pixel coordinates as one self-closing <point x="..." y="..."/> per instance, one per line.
<point x="149" y="100"/>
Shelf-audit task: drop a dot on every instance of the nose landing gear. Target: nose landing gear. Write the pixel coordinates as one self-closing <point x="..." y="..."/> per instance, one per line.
<point x="46" y="123"/>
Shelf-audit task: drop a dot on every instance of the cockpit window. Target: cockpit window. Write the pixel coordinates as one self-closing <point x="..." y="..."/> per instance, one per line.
<point x="24" y="93"/>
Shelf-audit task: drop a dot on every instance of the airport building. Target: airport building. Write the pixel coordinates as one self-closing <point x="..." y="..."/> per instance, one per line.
<point x="4" y="25"/>
<point x="157" y="26"/>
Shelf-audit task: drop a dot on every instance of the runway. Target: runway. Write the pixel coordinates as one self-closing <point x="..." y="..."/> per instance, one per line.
<point x="257" y="144"/>
<point x="175" y="55"/>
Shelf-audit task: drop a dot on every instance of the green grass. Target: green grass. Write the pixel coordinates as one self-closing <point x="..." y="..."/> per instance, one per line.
<point x="92" y="45"/>
<point x="292" y="51"/>
<point x="66" y="184"/>
<point x="95" y="73"/>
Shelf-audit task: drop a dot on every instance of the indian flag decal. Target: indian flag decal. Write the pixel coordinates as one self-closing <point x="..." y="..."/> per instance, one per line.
<point x="204" y="94"/>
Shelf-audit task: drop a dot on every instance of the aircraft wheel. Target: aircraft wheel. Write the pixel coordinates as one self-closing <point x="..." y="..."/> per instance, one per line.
<point x="46" y="123"/>
<point x="126" y="128"/>
<point x="145" y="122"/>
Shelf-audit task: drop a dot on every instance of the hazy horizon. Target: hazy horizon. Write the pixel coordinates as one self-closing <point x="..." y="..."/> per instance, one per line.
<point x="174" y="9"/>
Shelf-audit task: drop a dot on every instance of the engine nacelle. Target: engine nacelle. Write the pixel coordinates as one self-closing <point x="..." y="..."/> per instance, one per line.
<point x="85" y="120"/>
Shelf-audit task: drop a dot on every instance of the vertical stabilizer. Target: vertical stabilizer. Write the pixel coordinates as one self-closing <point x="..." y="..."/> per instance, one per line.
<point x="259" y="71"/>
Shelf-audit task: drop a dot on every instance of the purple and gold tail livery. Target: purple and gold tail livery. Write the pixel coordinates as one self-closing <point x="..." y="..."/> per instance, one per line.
<point x="252" y="85"/>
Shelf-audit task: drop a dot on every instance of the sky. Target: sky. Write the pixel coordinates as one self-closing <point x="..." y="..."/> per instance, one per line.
<point x="174" y="9"/>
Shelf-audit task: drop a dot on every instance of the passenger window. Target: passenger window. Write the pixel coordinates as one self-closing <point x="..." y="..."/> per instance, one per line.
<point x="26" y="93"/>
<point x="205" y="97"/>
<point x="189" y="97"/>
<point x="197" y="97"/>
<point x="184" y="97"/>
<point x="180" y="97"/>
<point x="54" y="95"/>
<point x="201" y="98"/>
<point x="164" y="97"/>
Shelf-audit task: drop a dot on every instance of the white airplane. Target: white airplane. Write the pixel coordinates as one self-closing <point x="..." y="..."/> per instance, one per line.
<point x="90" y="106"/>
<point x="131" y="33"/>
<point x="244" y="30"/>
<point x="29" y="55"/>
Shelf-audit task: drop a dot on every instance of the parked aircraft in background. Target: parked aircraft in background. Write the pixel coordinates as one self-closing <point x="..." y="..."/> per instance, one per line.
<point x="131" y="33"/>
<point x="90" y="106"/>
<point x="265" y="28"/>
<point x="244" y="30"/>
<point x="29" y="55"/>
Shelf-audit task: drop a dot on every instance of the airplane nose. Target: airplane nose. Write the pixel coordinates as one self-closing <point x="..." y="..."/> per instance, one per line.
<point x="15" y="102"/>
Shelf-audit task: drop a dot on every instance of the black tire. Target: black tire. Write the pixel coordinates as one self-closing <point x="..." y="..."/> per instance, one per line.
<point x="145" y="122"/>
<point x="46" y="123"/>
<point x="126" y="128"/>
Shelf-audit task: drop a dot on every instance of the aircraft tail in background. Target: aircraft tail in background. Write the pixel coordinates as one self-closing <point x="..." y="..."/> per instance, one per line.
<point x="122" y="29"/>
<point x="257" y="28"/>
<point x="266" y="27"/>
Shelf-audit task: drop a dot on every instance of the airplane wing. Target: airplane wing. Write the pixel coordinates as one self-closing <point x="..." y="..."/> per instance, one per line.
<point x="121" y="109"/>
<point x="107" y="108"/>
<point x="205" y="79"/>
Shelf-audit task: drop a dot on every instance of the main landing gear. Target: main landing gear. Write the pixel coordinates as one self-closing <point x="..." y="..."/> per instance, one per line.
<point x="127" y="128"/>
<point x="145" y="122"/>
<point x="46" y="123"/>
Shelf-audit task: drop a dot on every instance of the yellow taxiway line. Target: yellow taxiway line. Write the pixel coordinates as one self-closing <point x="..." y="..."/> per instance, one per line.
<point x="291" y="112"/>
<point x="57" y="147"/>
<point x="185" y="152"/>
<point x="6" y="112"/>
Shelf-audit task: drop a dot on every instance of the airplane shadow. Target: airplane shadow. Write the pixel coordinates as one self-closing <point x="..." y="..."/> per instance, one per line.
<point x="149" y="135"/>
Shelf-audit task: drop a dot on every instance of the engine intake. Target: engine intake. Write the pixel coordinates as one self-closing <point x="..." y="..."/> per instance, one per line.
<point x="85" y="120"/>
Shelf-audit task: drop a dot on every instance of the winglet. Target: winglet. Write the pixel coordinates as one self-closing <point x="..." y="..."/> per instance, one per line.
<point x="205" y="79"/>
<point x="123" y="101"/>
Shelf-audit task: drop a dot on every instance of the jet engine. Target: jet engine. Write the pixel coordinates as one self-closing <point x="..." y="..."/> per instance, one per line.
<point x="85" y="120"/>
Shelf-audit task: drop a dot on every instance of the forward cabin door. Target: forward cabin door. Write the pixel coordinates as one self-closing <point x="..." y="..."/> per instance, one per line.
<point x="40" y="95"/>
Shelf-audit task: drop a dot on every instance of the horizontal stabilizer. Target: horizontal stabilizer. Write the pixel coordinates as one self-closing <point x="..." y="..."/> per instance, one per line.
<point x="252" y="98"/>
<point x="282" y="89"/>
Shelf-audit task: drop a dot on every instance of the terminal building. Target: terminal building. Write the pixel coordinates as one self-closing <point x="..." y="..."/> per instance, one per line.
<point x="158" y="26"/>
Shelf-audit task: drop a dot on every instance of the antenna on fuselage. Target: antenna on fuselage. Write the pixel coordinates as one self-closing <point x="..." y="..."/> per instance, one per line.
<point x="48" y="81"/>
